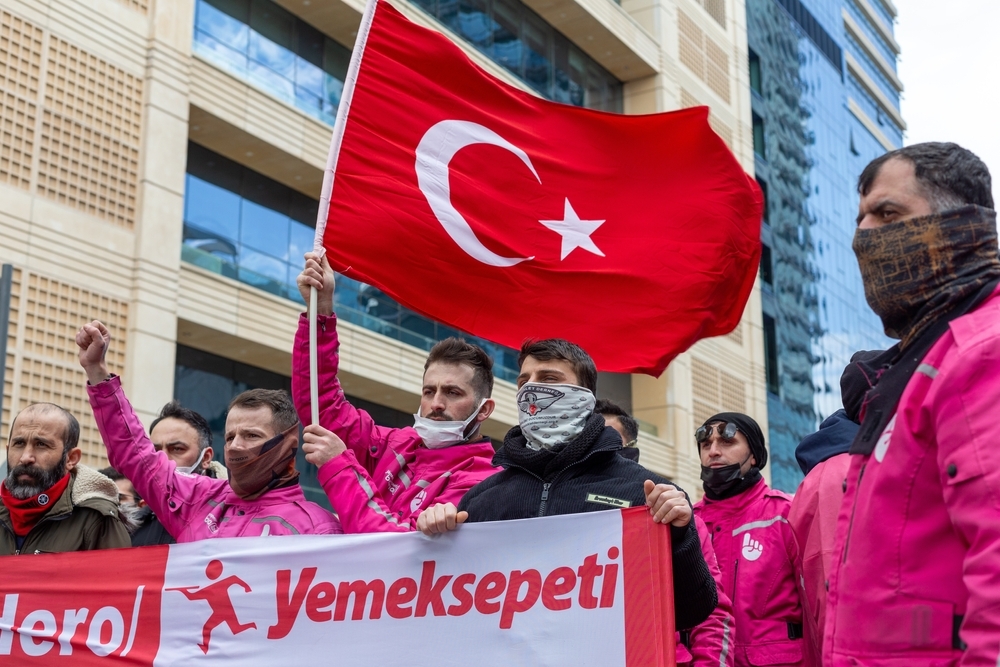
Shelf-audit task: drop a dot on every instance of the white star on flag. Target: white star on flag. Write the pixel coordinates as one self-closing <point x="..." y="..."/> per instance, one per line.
<point x="575" y="232"/>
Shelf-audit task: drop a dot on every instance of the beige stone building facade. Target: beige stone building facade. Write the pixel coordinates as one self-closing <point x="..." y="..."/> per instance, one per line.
<point x="102" y="103"/>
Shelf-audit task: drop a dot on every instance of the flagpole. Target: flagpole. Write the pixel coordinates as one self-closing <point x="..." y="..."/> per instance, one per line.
<point x="324" y="200"/>
<point x="313" y="358"/>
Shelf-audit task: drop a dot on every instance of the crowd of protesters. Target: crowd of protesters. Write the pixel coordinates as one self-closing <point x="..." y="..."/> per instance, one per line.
<point x="888" y="554"/>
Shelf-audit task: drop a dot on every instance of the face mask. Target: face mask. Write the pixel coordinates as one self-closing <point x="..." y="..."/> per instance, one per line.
<point x="189" y="470"/>
<point x="438" y="434"/>
<point x="916" y="270"/>
<point x="553" y="414"/>
<point x="255" y="471"/>
<point x="721" y="480"/>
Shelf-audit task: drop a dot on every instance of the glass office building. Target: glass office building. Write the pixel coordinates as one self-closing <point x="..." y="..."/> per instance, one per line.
<point x="825" y="100"/>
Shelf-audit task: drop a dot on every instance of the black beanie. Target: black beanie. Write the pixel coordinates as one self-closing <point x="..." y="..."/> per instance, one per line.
<point x="750" y="429"/>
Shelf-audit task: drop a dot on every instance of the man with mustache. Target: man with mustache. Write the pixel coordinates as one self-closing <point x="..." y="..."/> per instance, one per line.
<point x="378" y="479"/>
<point x="51" y="503"/>
<point x="914" y="573"/>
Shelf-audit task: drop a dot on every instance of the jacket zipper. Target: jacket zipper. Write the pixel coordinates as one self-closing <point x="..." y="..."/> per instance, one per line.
<point x="547" y="485"/>
<point x="545" y="498"/>
<point x="850" y="524"/>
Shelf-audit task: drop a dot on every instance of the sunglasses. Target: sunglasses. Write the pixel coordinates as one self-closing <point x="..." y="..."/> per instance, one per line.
<point x="726" y="431"/>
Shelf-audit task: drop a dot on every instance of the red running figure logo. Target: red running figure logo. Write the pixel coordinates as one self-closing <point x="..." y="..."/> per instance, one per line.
<point x="217" y="597"/>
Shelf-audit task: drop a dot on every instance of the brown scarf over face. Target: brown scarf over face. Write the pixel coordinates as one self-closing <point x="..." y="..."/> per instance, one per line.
<point x="915" y="270"/>
<point x="255" y="471"/>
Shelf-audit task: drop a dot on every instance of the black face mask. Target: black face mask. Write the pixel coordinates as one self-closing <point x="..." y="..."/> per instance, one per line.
<point x="721" y="480"/>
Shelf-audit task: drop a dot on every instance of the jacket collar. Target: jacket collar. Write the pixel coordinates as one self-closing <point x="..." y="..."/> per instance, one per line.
<point x="740" y="501"/>
<point x="87" y="488"/>
<point x="596" y="437"/>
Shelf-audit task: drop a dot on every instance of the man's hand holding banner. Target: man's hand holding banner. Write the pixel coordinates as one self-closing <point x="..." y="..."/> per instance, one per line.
<point x="509" y="216"/>
<point x="581" y="589"/>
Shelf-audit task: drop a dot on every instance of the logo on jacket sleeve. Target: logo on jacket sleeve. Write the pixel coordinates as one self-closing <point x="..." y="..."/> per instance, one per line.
<point x="752" y="549"/>
<point x="882" y="446"/>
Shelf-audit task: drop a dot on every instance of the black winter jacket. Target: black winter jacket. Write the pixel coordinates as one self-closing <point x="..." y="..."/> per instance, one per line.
<point x="567" y="480"/>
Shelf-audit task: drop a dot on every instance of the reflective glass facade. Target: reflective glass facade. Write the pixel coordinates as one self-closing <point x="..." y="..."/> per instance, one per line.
<point x="206" y="383"/>
<point x="245" y="226"/>
<point x="813" y="149"/>
<point x="523" y="43"/>
<point x="259" y="41"/>
<point x="268" y="46"/>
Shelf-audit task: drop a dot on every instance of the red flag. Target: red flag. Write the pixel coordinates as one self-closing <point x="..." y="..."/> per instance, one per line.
<point x="509" y="216"/>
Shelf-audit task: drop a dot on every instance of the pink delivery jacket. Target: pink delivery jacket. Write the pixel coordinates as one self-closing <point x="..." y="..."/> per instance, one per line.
<point x="757" y="555"/>
<point x="195" y="507"/>
<point x="387" y="476"/>
<point x="915" y="574"/>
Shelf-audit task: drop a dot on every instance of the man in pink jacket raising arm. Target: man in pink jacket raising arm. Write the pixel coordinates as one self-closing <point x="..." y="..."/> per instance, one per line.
<point x="378" y="479"/>
<point x="915" y="572"/>
<point x="262" y="495"/>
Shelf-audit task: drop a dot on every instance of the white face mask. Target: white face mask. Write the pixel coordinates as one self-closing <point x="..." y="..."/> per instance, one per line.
<point x="190" y="470"/>
<point x="438" y="434"/>
<point x="553" y="414"/>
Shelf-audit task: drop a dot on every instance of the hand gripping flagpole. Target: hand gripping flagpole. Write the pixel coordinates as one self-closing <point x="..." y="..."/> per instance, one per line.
<point x="324" y="201"/>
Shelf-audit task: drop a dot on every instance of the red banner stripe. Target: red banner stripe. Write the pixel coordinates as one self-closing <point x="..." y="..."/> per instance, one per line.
<point x="649" y="591"/>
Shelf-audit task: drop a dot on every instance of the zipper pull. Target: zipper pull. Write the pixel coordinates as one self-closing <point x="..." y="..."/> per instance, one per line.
<point x="545" y="491"/>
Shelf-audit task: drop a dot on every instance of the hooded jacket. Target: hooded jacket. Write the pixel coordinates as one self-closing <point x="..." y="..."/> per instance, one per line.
<point x="915" y="574"/>
<point x="757" y="556"/>
<point x="387" y="476"/>
<point x="86" y="517"/>
<point x="196" y="507"/>
<point x="588" y="475"/>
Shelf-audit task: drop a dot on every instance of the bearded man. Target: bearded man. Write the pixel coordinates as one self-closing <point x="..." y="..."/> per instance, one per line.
<point x="51" y="503"/>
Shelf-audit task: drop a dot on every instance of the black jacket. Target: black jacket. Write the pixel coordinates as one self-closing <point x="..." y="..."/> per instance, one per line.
<point x="566" y="480"/>
<point x="150" y="531"/>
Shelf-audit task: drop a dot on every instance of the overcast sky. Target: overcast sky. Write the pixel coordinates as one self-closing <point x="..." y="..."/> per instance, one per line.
<point x="950" y="68"/>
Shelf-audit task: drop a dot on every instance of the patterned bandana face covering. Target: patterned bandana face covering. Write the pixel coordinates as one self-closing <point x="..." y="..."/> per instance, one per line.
<point x="916" y="270"/>
<point x="553" y="414"/>
<point x="257" y="470"/>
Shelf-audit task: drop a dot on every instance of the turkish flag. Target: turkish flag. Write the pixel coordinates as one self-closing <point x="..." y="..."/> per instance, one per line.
<point x="509" y="216"/>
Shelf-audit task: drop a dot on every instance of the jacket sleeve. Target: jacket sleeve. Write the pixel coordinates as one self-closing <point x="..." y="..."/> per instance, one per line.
<point x="355" y="427"/>
<point x="172" y="496"/>
<point x="964" y="413"/>
<point x="352" y="494"/>
<point x="695" y="594"/>
<point x="712" y="641"/>
<point x="107" y="532"/>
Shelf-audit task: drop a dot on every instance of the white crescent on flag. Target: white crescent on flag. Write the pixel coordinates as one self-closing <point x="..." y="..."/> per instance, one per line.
<point x="434" y="153"/>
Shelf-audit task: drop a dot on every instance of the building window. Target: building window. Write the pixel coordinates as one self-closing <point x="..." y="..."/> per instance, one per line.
<point x="764" y="213"/>
<point x="771" y="355"/>
<point x="758" y="137"/>
<point x="259" y="41"/>
<point x="243" y="225"/>
<point x="766" y="265"/>
<point x="520" y="41"/>
<point x="756" y="85"/>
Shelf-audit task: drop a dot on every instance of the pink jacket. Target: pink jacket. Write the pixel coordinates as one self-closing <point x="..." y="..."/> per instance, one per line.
<point x="813" y="518"/>
<point x="195" y="507"/>
<point x="918" y="537"/>
<point x="387" y="476"/>
<point x="710" y="642"/>
<point x="756" y="553"/>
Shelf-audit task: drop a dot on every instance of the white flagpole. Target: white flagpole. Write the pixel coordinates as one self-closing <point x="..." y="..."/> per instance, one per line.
<point x="313" y="358"/>
<point x="324" y="200"/>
